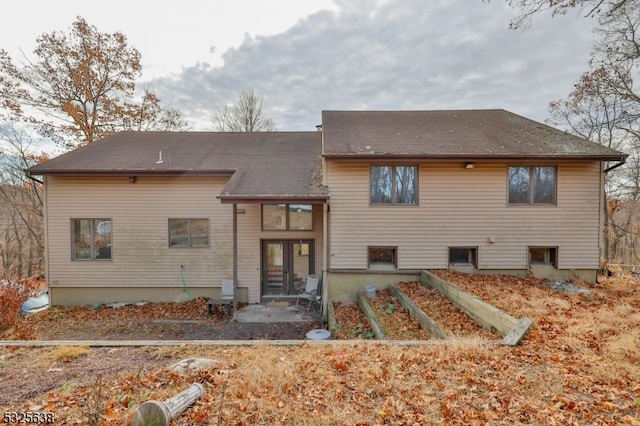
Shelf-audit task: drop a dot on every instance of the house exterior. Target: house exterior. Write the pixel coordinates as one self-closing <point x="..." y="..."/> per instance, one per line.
<point x="372" y="197"/>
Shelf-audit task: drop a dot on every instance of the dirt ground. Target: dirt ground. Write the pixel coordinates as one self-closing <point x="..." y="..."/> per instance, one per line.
<point x="176" y="330"/>
<point x="170" y="321"/>
<point x="578" y="365"/>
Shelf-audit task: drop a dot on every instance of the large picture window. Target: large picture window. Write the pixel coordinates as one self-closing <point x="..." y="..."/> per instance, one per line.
<point x="188" y="232"/>
<point x="394" y="185"/>
<point x="532" y="184"/>
<point x="91" y="239"/>
<point x="287" y="217"/>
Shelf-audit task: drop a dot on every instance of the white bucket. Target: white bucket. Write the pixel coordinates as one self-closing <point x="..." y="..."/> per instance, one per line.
<point x="318" y="334"/>
<point x="370" y="290"/>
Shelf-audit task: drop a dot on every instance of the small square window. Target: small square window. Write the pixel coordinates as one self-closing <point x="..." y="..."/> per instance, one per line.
<point x="383" y="256"/>
<point x="188" y="232"/>
<point x="543" y="256"/>
<point x="463" y="256"/>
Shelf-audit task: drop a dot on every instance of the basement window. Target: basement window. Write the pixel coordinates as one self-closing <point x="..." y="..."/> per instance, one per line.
<point x="383" y="256"/>
<point x="543" y="256"/>
<point x="463" y="256"/>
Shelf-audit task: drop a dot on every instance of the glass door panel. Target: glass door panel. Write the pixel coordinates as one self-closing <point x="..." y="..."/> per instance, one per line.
<point x="274" y="267"/>
<point x="285" y="266"/>
<point x="301" y="264"/>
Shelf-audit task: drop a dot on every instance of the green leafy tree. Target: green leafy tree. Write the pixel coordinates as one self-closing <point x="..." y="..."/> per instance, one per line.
<point x="81" y="84"/>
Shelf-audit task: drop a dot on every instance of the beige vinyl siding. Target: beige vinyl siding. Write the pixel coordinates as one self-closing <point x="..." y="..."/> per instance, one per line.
<point x="139" y="212"/>
<point x="250" y="235"/>
<point x="464" y="207"/>
<point x="141" y="256"/>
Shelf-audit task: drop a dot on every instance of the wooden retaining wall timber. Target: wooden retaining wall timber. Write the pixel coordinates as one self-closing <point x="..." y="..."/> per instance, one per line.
<point x="488" y="316"/>
<point x="374" y="322"/>
<point x="427" y="324"/>
<point x="331" y="318"/>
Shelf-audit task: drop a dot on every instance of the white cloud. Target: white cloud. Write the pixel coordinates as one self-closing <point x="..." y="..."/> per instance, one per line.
<point x="400" y="54"/>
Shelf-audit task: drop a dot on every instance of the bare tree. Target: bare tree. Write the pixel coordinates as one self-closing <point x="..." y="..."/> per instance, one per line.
<point x="591" y="8"/>
<point x="21" y="214"/>
<point x="245" y="115"/>
<point x="605" y="107"/>
<point x="80" y="84"/>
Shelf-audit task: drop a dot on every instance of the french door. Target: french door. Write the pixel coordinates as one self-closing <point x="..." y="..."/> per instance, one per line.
<point x="285" y="266"/>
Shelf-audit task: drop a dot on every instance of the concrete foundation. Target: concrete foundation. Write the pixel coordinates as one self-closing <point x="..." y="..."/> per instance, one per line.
<point x="70" y="296"/>
<point x="345" y="286"/>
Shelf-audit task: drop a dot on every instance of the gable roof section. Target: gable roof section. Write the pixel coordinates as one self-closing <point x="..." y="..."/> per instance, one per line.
<point x="261" y="165"/>
<point x="451" y="135"/>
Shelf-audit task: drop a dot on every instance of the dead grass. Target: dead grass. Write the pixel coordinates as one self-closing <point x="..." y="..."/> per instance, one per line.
<point x="62" y="354"/>
<point x="578" y="365"/>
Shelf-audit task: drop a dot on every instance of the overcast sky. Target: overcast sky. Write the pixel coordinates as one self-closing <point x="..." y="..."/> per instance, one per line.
<point x="303" y="57"/>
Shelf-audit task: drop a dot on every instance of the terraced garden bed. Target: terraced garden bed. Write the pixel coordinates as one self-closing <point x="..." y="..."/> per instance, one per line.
<point x="397" y="322"/>
<point x="351" y="322"/>
<point x="443" y="312"/>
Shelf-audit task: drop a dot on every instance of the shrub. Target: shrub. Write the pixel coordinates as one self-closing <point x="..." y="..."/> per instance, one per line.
<point x="14" y="291"/>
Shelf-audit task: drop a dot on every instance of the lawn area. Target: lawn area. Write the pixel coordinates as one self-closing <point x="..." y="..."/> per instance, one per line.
<point x="579" y="365"/>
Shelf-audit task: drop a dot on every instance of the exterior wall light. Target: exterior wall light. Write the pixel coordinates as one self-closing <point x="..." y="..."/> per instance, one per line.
<point x="133" y="179"/>
<point x="469" y="165"/>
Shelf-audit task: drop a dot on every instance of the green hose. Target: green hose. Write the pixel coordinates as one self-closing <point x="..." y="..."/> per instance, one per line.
<point x="184" y="284"/>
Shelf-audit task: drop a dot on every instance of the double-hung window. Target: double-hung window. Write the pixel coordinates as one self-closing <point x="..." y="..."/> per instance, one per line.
<point x="188" y="232"/>
<point x="91" y="239"/>
<point x="394" y="185"/>
<point x="532" y="184"/>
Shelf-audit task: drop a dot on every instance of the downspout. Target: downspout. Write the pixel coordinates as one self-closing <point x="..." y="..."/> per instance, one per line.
<point x="235" y="262"/>
<point x="604" y="221"/>
<point x="325" y="259"/>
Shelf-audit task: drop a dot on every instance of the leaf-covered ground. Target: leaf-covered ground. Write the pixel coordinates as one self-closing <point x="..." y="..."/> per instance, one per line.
<point x="579" y="365"/>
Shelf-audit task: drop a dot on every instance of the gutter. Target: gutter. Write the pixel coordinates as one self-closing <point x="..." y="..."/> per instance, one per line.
<point x="615" y="166"/>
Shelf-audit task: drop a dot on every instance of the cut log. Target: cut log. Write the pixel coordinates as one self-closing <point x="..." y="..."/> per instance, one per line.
<point x="160" y="413"/>
<point x="517" y="333"/>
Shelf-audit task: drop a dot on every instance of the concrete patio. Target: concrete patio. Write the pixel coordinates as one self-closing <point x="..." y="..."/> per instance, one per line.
<point x="275" y="312"/>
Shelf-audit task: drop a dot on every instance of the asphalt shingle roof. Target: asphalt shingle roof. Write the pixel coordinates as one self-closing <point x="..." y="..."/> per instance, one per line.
<point x="263" y="165"/>
<point x="443" y="134"/>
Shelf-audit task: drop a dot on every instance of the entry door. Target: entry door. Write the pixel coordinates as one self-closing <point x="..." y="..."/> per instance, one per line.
<point x="285" y="266"/>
